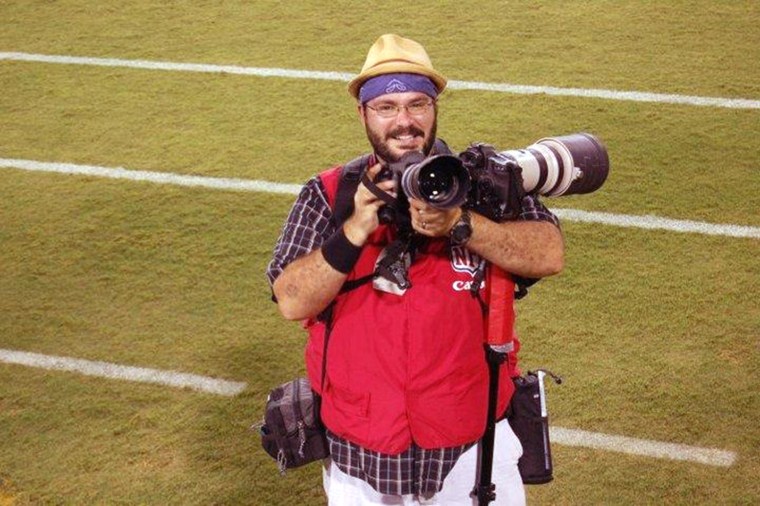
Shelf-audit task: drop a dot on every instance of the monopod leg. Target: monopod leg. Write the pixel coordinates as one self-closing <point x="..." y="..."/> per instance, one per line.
<point x="485" y="490"/>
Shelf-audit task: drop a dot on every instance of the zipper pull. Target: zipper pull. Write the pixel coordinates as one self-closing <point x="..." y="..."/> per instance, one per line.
<point x="282" y="461"/>
<point x="301" y="438"/>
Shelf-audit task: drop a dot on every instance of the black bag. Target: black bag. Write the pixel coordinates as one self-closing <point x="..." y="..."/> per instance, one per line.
<point x="292" y="432"/>
<point x="529" y="420"/>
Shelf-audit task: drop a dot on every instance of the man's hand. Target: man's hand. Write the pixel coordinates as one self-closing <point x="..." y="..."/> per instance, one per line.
<point x="364" y="219"/>
<point x="431" y="221"/>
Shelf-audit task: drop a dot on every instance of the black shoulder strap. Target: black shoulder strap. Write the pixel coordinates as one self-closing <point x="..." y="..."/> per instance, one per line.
<point x="347" y="184"/>
<point x="440" y="147"/>
<point x="350" y="176"/>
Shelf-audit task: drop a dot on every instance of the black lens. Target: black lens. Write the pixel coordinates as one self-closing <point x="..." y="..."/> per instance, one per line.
<point x="441" y="181"/>
<point x="436" y="185"/>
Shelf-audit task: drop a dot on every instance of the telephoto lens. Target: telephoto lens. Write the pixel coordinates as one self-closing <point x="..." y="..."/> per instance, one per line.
<point x="565" y="165"/>
<point x="494" y="183"/>
<point x="553" y="166"/>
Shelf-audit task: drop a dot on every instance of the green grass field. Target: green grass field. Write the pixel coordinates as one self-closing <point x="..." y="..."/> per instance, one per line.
<point x="656" y="332"/>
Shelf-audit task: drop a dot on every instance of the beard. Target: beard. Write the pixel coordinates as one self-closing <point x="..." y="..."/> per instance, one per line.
<point x="382" y="149"/>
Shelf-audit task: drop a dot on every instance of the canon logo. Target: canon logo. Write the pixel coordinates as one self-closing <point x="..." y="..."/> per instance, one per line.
<point x="461" y="286"/>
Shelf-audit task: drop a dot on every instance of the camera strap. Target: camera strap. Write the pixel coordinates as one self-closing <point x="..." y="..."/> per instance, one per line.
<point x="377" y="192"/>
<point x="343" y="202"/>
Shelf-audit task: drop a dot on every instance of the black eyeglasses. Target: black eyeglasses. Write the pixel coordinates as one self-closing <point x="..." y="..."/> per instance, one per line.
<point x="416" y="108"/>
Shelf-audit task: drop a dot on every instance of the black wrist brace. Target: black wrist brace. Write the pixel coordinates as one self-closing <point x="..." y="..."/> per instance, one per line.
<point x="341" y="253"/>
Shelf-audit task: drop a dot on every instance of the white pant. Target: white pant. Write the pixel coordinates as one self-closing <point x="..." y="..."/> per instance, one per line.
<point x="345" y="490"/>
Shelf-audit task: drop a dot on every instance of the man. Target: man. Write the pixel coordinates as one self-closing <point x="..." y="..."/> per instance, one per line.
<point x="404" y="394"/>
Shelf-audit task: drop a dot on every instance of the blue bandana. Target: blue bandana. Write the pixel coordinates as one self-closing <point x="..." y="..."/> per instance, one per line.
<point x="396" y="83"/>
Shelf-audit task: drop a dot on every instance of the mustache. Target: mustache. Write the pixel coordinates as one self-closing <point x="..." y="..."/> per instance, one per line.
<point x="406" y="131"/>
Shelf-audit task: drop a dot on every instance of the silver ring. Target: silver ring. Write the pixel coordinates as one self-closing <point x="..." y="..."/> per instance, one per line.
<point x="423" y="224"/>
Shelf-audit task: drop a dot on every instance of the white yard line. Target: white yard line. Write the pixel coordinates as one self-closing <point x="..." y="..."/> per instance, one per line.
<point x="123" y="372"/>
<point x="559" y="435"/>
<point x="636" y="96"/>
<point x="218" y="183"/>
<point x="656" y="222"/>
<point x="644" y="447"/>
<point x="633" y="96"/>
<point x="619" y="220"/>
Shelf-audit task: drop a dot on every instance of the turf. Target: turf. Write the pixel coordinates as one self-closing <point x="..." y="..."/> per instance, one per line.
<point x="655" y="332"/>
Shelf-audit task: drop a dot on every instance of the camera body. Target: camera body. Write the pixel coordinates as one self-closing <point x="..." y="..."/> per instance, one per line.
<point x="496" y="188"/>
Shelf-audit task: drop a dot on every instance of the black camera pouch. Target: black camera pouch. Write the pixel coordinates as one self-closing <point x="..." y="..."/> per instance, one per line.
<point x="530" y="422"/>
<point x="292" y="432"/>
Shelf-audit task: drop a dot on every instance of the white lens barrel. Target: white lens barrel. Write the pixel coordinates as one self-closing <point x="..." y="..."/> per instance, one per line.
<point x="549" y="167"/>
<point x="566" y="171"/>
<point x="542" y="168"/>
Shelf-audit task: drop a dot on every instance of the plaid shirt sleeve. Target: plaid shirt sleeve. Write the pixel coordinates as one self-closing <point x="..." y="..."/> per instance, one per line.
<point x="308" y="225"/>
<point x="534" y="210"/>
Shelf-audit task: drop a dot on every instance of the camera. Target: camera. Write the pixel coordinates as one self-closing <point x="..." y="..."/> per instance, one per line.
<point x="493" y="183"/>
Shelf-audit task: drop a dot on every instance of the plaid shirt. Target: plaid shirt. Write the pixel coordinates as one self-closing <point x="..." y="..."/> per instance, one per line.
<point x="416" y="470"/>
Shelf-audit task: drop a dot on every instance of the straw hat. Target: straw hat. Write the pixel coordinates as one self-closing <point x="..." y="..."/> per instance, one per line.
<point x="391" y="54"/>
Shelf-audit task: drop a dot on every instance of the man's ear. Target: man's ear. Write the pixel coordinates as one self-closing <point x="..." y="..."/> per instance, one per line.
<point x="361" y="112"/>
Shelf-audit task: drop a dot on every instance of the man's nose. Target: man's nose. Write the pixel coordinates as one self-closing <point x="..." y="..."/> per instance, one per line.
<point x="403" y="117"/>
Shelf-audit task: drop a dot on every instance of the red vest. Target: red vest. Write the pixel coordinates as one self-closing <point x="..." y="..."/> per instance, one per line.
<point x="411" y="367"/>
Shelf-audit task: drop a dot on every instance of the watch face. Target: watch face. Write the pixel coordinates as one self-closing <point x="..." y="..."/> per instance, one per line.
<point x="461" y="233"/>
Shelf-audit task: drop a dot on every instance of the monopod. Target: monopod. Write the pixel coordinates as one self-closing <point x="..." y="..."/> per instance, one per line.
<point x="499" y="342"/>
